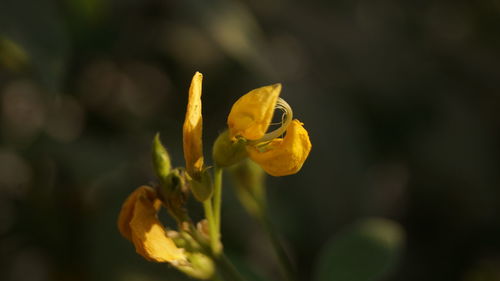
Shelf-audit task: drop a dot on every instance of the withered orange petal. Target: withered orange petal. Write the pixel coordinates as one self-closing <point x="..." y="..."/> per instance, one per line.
<point x="127" y="210"/>
<point x="149" y="235"/>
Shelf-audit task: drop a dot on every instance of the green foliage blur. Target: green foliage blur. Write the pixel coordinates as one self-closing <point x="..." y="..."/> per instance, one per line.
<point x="401" y="101"/>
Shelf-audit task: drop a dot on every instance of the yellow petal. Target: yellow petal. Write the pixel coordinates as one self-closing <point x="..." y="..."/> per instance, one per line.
<point x="192" y="130"/>
<point x="251" y="114"/>
<point x="139" y="223"/>
<point x="149" y="235"/>
<point x="128" y="207"/>
<point x="284" y="156"/>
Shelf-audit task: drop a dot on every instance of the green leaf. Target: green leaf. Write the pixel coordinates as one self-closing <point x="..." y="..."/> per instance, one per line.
<point x="365" y="251"/>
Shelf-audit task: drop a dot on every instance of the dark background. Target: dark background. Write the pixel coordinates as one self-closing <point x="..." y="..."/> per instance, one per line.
<point x="401" y="101"/>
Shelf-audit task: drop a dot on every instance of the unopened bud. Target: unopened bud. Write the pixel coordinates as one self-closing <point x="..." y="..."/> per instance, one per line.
<point x="200" y="267"/>
<point x="161" y="159"/>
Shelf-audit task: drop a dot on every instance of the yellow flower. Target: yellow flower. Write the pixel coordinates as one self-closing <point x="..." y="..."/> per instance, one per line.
<point x="251" y="115"/>
<point x="192" y="129"/>
<point x="250" y="118"/>
<point x="283" y="156"/>
<point x="138" y="222"/>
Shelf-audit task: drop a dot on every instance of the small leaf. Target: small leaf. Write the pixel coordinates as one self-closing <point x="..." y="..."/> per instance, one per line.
<point x="365" y="251"/>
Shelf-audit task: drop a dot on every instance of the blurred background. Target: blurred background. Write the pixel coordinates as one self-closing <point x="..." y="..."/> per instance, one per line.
<point x="401" y="101"/>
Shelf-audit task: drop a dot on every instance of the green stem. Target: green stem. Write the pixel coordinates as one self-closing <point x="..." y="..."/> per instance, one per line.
<point x="285" y="263"/>
<point x="212" y="227"/>
<point x="228" y="270"/>
<point x="217" y="277"/>
<point x="217" y="195"/>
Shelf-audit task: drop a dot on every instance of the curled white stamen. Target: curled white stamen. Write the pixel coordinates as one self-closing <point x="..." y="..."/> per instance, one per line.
<point x="286" y="119"/>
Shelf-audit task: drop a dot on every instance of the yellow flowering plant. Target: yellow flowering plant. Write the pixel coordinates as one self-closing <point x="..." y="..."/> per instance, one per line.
<point x="245" y="149"/>
<point x="249" y="120"/>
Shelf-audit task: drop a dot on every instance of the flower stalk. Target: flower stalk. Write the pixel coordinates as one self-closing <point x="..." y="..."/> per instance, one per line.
<point x="217" y="196"/>
<point x="287" y="268"/>
<point x="212" y="227"/>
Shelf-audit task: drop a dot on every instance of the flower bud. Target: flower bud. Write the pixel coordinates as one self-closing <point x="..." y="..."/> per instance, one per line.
<point x="161" y="159"/>
<point x="200" y="266"/>
<point x="227" y="152"/>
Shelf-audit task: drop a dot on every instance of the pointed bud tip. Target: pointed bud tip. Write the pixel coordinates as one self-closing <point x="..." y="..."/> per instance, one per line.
<point x="161" y="159"/>
<point x="156" y="138"/>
